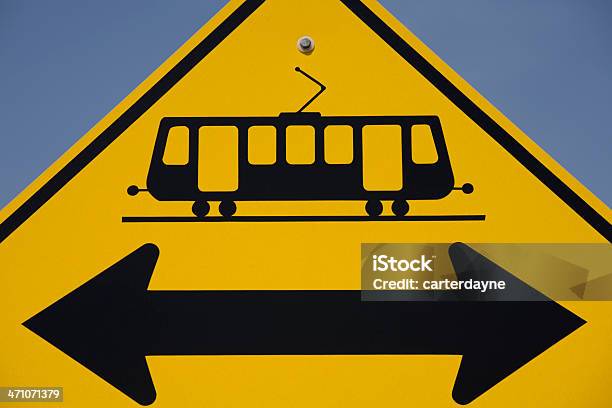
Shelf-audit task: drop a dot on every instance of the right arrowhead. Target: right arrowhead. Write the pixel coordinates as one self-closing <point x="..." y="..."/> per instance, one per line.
<point x="507" y="333"/>
<point x="102" y="324"/>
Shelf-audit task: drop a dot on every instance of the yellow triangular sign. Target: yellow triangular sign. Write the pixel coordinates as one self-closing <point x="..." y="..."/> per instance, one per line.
<point x="260" y="156"/>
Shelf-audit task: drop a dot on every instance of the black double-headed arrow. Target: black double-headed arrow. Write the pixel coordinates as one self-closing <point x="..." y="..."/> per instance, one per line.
<point x="112" y="322"/>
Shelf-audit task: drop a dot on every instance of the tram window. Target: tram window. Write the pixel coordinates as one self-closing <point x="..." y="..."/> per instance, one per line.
<point x="382" y="157"/>
<point x="300" y="144"/>
<point x="423" y="146"/>
<point x="218" y="158"/>
<point x="338" y="144"/>
<point x="177" y="146"/>
<point x="262" y="145"/>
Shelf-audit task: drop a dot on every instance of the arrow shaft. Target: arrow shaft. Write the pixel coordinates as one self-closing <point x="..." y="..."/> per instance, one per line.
<point x="297" y="322"/>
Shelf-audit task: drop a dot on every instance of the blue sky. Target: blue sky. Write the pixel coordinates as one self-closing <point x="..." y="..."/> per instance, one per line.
<point x="65" y="64"/>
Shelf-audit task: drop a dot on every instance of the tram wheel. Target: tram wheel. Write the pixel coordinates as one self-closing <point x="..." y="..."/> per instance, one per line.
<point x="227" y="208"/>
<point x="400" y="207"/>
<point x="200" y="208"/>
<point x="374" y="208"/>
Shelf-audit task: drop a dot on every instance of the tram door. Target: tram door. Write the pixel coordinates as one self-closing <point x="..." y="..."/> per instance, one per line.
<point x="382" y="158"/>
<point x="218" y="158"/>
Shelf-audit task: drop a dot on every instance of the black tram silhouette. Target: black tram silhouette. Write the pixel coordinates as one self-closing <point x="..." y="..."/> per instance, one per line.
<point x="282" y="181"/>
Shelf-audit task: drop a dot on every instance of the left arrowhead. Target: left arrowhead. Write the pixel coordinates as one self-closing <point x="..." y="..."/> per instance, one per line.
<point x="102" y="324"/>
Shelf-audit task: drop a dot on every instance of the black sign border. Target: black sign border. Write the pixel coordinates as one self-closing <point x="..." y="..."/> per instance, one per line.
<point x="435" y="77"/>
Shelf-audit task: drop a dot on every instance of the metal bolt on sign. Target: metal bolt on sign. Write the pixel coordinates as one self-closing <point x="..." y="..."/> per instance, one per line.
<point x="306" y="45"/>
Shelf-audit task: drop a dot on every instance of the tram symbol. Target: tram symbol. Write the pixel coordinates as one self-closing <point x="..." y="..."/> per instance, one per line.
<point x="283" y="174"/>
